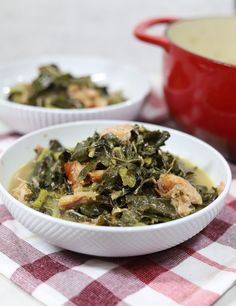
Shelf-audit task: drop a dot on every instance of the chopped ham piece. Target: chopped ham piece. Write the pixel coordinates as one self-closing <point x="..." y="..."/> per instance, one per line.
<point x="123" y="131"/>
<point x="180" y="191"/>
<point x="72" y="170"/>
<point x="21" y="191"/>
<point x="96" y="175"/>
<point x="71" y="201"/>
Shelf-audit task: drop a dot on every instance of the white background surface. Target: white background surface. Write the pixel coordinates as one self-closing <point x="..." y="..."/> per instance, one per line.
<point x="100" y="27"/>
<point x="30" y="28"/>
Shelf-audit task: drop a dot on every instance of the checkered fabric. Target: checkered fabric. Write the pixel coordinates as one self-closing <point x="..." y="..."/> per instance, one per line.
<point x="196" y="272"/>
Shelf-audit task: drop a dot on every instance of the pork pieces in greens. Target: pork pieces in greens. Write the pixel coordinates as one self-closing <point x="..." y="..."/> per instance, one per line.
<point x="53" y="88"/>
<point x="119" y="177"/>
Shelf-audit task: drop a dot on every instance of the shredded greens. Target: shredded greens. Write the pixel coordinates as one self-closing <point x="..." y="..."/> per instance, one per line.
<point x="53" y="88"/>
<point x="119" y="177"/>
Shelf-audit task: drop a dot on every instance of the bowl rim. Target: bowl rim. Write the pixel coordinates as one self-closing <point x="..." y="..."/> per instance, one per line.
<point x="124" y="229"/>
<point x="73" y="57"/>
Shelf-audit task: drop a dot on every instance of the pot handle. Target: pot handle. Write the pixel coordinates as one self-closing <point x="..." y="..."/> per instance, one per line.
<point x="140" y="31"/>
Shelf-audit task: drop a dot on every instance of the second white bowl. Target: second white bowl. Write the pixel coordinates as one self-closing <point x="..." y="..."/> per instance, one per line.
<point x="25" y="118"/>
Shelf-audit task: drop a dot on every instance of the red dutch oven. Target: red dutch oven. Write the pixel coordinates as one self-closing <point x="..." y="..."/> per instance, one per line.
<point x="199" y="75"/>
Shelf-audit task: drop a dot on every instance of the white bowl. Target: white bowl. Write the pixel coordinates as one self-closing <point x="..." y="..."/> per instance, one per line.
<point x="25" y="118"/>
<point x="112" y="241"/>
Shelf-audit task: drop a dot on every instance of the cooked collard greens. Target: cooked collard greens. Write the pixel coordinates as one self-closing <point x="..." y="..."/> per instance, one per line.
<point x="53" y="88"/>
<point x="118" y="177"/>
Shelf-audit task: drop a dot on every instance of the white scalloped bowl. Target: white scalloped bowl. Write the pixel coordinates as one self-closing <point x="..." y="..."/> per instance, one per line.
<point x="25" y="118"/>
<point x="112" y="241"/>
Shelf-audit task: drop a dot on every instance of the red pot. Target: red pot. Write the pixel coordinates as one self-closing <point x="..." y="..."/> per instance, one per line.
<point x="199" y="76"/>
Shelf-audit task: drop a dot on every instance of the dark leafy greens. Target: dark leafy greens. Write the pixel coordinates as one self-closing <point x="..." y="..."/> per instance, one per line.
<point x="120" y="177"/>
<point x="53" y="88"/>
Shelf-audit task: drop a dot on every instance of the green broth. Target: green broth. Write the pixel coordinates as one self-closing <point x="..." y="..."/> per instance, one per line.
<point x="22" y="174"/>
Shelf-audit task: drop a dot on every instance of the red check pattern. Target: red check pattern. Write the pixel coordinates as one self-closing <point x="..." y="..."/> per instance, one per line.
<point x="196" y="272"/>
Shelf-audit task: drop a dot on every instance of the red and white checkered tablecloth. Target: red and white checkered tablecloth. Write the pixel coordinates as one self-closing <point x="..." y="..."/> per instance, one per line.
<point x="196" y="272"/>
